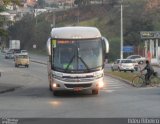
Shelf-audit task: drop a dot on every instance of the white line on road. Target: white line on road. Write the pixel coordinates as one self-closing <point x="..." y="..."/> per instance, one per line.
<point x="108" y="91"/>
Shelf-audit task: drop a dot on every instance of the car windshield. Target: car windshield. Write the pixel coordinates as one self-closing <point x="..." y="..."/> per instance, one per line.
<point x="23" y="51"/>
<point x="77" y="55"/>
<point x="136" y="57"/>
<point x="22" y="56"/>
<point x="126" y="61"/>
<point x="9" y="53"/>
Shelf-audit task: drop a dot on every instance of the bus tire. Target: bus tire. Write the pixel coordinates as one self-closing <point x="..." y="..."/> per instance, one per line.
<point x="95" y="92"/>
<point x="50" y="87"/>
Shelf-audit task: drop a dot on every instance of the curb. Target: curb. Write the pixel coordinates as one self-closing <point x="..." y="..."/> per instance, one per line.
<point x="40" y="62"/>
<point x="8" y="90"/>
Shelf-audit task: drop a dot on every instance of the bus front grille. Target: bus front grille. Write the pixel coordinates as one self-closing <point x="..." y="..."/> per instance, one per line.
<point x="78" y="85"/>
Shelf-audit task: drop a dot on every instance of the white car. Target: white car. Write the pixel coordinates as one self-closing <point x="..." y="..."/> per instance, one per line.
<point x="9" y="55"/>
<point x="24" y="52"/>
<point x="137" y="58"/>
<point x="123" y="65"/>
<point x="136" y="65"/>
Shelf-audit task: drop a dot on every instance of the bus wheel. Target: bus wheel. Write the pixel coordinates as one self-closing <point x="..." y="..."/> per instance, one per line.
<point x="50" y="84"/>
<point x="95" y="92"/>
<point x="50" y="87"/>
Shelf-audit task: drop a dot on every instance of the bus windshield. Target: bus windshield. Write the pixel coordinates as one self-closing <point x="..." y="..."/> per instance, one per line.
<point x="77" y="55"/>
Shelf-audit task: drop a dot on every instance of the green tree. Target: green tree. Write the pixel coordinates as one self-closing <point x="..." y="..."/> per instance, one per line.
<point x="31" y="31"/>
<point x="3" y="32"/>
<point x="6" y="2"/>
<point x="136" y="20"/>
<point x="2" y="19"/>
<point x="81" y="3"/>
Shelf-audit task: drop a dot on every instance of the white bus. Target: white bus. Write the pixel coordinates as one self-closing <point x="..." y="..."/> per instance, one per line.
<point x="76" y="59"/>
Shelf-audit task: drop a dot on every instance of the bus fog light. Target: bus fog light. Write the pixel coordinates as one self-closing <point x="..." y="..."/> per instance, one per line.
<point x="100" y="84"/>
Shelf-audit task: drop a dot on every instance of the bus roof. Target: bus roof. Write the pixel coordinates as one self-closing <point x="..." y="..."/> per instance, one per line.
<point x="75" y="33"/>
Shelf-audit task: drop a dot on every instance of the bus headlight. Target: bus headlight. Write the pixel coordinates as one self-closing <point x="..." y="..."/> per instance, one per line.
<point x="54" y="85"/>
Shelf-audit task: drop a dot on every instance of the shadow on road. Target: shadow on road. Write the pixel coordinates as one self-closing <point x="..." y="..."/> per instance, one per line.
<point x="44" y="92"/>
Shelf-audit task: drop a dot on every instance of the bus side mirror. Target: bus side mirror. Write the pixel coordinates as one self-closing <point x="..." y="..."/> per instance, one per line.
<point x="49" y="46"/>
<point x="106" y="45"/>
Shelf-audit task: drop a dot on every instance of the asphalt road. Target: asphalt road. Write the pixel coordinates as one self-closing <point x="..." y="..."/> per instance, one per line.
<point x="33" y="99"/>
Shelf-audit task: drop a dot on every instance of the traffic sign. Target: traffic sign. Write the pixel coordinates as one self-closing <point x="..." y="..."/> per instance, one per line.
<point x="128" y="49"/>
<point x="150" y="34"/>
<point x="34" y="46"/>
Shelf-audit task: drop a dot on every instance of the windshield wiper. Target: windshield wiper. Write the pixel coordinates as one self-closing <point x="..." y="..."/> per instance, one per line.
<point x="69" y="63"/>
<point x="87" y="68"/>
<point x="81" y="60"/>
<point x="84" y="63"/>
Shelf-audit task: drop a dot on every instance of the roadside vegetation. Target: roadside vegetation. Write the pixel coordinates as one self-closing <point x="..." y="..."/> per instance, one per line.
<point x="124" y="75"/>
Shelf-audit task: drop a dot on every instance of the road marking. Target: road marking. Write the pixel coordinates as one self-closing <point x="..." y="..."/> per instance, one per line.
<point x="112" y="85"/>
<point x="115" y="85"/>
<point x="108" y="91"/>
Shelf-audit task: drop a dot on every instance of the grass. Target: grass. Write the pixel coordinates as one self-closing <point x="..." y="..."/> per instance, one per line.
<point x="124" y="75"/>
<point x="91" y="22"/>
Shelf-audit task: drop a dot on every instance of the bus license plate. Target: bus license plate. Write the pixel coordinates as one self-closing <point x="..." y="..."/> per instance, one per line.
<point x="77" y="89"/>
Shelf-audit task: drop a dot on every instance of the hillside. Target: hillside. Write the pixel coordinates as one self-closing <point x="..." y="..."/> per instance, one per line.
<point x="136" y="17"/>
<point x="152" y="4"/>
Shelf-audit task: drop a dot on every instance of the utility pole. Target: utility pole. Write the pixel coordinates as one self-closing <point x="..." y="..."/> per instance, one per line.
<point x="53" y="24"/>
<point x="54" y="19"/>
<point x="78" y="16"/>
<point x="121" y="27"/>
<point x="121" y="51"/>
